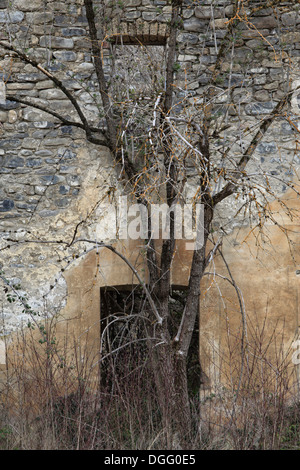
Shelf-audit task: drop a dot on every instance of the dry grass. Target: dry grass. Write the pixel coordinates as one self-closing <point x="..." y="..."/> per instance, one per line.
<point x="52" y="399"/>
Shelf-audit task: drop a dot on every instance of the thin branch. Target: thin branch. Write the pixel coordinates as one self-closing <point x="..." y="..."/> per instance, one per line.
<point x="96" y="50"/>
<point x="116" y="252"/>
<point x="55" y="80"/>
<point x="64" y="120"/>
<point x="135" y="272"/>
<point x="230" y="187"/>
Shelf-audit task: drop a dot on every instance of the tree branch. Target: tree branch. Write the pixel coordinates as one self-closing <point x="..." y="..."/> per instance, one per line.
<point x="96" y="50"/>
<point x="230" y="187"/>
<point x="64" y="120"/>
<point x="54" y="79"/>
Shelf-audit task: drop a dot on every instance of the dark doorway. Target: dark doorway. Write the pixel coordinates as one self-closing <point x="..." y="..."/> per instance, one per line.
<point x="125" y="334"/>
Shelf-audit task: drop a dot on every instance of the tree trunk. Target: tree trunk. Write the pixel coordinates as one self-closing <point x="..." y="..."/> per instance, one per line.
<point x="172" y="390"/>
<point x="169" y="357"/>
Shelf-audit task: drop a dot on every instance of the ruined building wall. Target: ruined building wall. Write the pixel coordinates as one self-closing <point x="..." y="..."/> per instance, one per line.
<point x="52" y="179"/>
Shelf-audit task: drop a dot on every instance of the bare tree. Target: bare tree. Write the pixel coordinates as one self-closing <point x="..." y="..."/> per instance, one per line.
<point x="152" y="134"/>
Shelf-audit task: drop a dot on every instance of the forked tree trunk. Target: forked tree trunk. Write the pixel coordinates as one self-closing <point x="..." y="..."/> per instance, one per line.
<point x="169" y="359"/>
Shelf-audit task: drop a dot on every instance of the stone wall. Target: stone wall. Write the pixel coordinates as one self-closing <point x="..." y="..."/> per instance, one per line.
<point x="52" y="179"/>
<point x="33" y="143"/>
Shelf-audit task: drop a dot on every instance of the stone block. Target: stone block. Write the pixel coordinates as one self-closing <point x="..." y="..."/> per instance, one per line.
<point x="11" y="16"/>
<point x="194" y="24"/>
